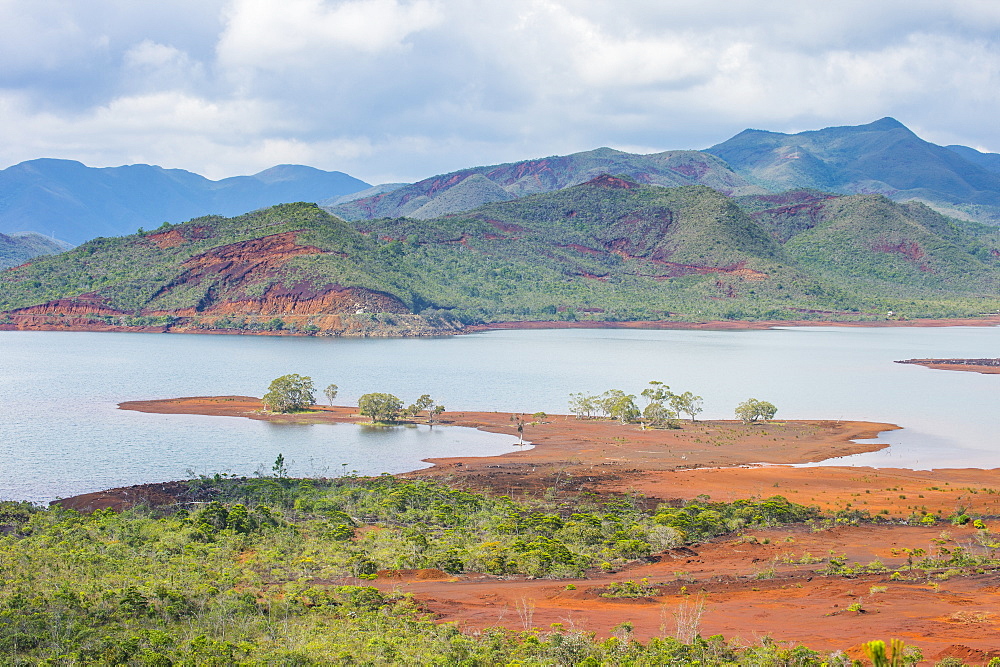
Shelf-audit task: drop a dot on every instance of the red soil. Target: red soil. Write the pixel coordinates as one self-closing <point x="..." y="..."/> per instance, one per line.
<point x="762" y="583"/>
<point x="739" y="325"/>
<point x="972" y="365"/>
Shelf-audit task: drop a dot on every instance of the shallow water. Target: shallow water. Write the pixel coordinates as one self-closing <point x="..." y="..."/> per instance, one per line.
<point x="61" y="434"/>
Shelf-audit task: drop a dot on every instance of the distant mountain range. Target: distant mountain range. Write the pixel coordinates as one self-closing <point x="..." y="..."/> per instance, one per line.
<point x="74" y="203"/>
<point x="610" y="249"/>
<point x="883" y="157"/>
<point x="469" y="188"/>
<point x="20" y="247"/>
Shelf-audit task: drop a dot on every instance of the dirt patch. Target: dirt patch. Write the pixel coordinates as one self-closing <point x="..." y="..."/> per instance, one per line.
<point x="986" y="366"/>
<point x="738" y="325"/>
<point x="761" y="583"/>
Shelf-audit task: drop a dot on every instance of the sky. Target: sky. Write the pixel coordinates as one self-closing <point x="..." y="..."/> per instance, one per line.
<point x="398" y="90"/>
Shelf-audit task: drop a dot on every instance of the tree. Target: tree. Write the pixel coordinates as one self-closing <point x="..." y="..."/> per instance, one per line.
<point x="618" y="405"/>
<point x="687" y="403"/>
<point x="656" y="392"/>
<point x="289" y="393"/>
<point x="433" y="414"/>
<point x="331" y="392"/>
<point x="658" y="414"/>
<point x="279" y="467"/>
<point x="753" y="410"/>
<point x="582" y="405"/>
<point x="380" y="407"/>
<point x="519" y="422"/>
<point x="425" y="402"/>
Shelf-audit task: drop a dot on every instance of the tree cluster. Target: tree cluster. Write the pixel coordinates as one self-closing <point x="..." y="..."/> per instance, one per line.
<point x="382" y="407"/>
<point x="663" y="407"/>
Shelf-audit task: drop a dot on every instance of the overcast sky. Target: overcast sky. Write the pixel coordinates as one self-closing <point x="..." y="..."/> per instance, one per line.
<point x="397" y="90"/>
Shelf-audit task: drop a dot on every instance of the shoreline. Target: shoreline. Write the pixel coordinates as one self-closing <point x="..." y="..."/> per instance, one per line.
<point x="968" y="365"/>
<point x="76" y="324"/>
<point x="560" y="438"/>
<point x="734" y="325"/>
<point x="763" y="580"/>
<point x="725" y="459"/>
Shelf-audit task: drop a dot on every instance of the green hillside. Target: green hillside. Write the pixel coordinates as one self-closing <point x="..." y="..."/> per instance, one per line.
<point x="20" y="247"/>
<point x="609" y="249"/>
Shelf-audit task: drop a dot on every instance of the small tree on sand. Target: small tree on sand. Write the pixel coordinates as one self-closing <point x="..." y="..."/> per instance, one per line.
<point x="331" y="392"/>
<point x="289" y="393"/>
<point x="688" y="404"/>
<point x="753" y="410"/>
<point x="434" y="413"/>
<point x="425" y="402"/>
<point x="380" y="407"/>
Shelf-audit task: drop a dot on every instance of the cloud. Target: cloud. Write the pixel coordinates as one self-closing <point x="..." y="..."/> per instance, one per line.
<point x="268" y="35"/>
<point x="402" y="89"/>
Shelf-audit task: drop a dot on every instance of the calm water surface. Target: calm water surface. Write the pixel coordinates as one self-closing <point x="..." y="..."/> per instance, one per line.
<point x="61" y="434"/>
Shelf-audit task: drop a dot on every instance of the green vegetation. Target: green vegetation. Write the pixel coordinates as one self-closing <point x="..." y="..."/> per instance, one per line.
<point x="250" y="574"/>
<point x="380" y="407"/>
<point x="19" y="248"/>
<point x="607" y="250"/>
<point x="289" y="393"/>
<point x="662" y="409"/>
<point x="753" y="410"/>
<point x="897" y="655"/>
<point x="631" y="589"/>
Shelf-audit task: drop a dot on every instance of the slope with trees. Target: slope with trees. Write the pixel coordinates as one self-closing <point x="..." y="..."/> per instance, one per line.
<point x="20" y="247"/>
<point x="610" y="249"/>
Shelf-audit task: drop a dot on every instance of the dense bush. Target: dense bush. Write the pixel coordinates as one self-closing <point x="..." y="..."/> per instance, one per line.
<point x="230" y="578"/>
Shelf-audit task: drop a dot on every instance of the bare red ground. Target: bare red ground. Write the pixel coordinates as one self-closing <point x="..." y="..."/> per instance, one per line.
<point x="752" y="589"/>
<point x="753" y="585"/>
<point x="724" y="325"/>
<point x="952" y="365"/>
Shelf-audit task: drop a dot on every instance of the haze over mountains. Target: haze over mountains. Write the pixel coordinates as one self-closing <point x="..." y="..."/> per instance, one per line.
<point x="883" y="157"/>
<point x="786" y="183"/>
<point x="74" y="203"/>
<point x="20" y="247"/>
<point x="469" y="188"/>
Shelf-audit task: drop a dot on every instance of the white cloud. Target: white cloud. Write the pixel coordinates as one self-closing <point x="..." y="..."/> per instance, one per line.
<point x="270" y="35"/>
<point x="402" y="89"/>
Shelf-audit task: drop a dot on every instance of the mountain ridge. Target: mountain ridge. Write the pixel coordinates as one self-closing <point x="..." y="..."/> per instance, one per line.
<point x="517" y="179"/>
<point x="19" y="247"/>
<point x="608" y="250"/>
<point x="883" y="157"/>
<point x="72" y="201"/>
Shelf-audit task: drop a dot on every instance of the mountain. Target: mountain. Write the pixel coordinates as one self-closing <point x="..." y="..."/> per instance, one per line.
<point x="71" y="201"/>
<point x="361" y="194"/>
<point x="610" y="249"/>
<point x="883" y="157"/>
<point x="988" y="161"/>
<point x="871" y="239"/>
<point x="466" y="189"/>
<point x="20" y="247"/>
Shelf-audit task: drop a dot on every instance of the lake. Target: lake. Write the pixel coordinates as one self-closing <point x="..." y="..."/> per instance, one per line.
<point x="61" y="434"/>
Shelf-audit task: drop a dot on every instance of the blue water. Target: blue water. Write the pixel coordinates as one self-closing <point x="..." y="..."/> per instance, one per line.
<point x="61" y="434"/>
